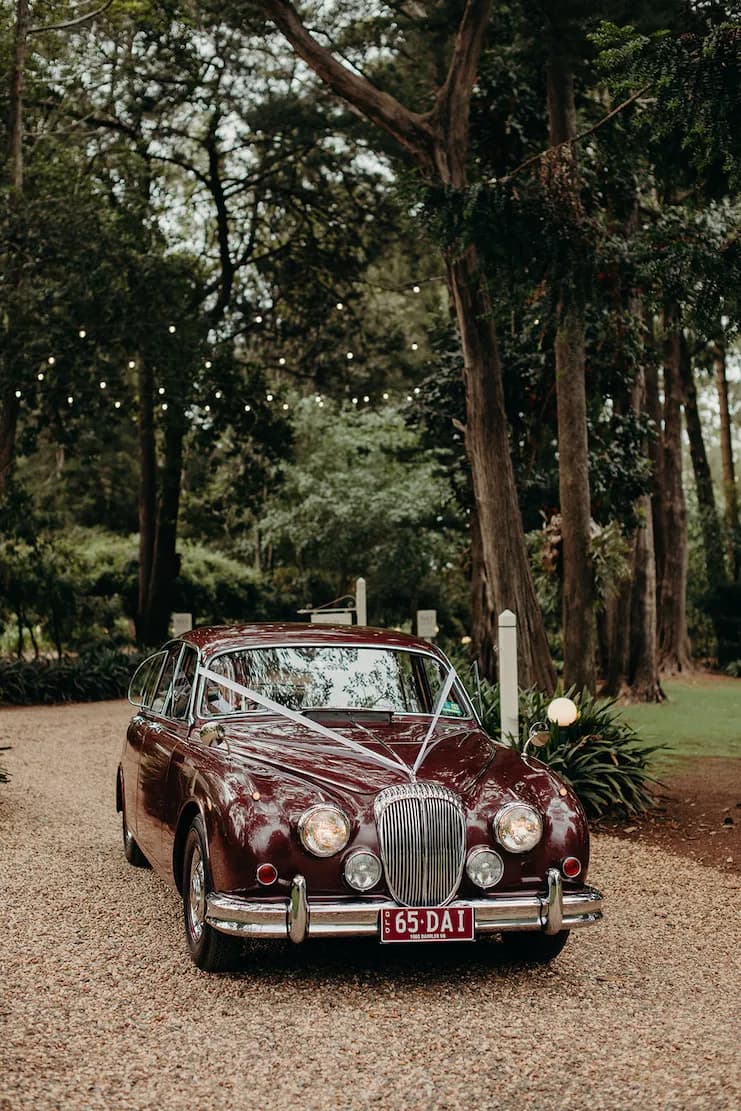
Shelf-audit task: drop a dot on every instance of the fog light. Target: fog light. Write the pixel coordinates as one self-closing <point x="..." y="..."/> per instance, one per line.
<point x="267" y="874"/>
<point x="571" y="867"/>
<point x="363" y="870"/>
<point x="484" y="867"/>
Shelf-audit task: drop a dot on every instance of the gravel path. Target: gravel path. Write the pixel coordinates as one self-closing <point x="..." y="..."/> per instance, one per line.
<point x="100" y="1006"/>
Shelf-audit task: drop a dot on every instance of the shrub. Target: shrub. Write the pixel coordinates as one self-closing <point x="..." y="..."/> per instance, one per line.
<point x="90" y="677"/>
<point x="600" y="755"/>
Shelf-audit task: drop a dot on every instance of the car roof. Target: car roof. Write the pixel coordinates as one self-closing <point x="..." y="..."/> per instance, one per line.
<point x="220" y="638"/>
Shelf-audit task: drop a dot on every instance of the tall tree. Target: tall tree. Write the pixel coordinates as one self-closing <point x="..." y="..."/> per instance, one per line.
<point x="437" y="141"/>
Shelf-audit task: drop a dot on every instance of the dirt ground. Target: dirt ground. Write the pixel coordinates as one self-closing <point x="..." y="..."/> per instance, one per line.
<point x="698" y="813"/>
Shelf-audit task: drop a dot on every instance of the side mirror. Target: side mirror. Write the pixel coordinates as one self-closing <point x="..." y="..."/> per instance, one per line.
<point x="538" y="736"/>
<point x="212" y="732"/>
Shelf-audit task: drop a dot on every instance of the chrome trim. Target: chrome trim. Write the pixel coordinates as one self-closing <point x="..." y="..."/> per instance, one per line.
<point x="500" y="815"/>
<point x="422" y="838"/>
<point x="297" y="919"/>
<point x="304" y="819"/>
<point x="554" y="905"/>
<point x="300" y="918"/>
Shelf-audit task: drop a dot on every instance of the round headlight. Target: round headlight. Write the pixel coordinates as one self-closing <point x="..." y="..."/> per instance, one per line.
<point x="518" y="827"/>
<point x="484" y="867"/>
<point x="324" y="830"/>
<point x="363" y="870"/>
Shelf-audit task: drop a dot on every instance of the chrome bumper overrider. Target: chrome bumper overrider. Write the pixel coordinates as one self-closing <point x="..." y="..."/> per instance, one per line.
<point x="298" y="917"/>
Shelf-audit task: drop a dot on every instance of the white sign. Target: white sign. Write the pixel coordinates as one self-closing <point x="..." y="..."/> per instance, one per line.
<point x="326" y="617"/>
<point x="427" y="624"/>
<point x="181" y="623"/>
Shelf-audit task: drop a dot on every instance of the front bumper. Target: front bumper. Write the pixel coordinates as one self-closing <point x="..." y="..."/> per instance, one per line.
<point x="298" y="917"/>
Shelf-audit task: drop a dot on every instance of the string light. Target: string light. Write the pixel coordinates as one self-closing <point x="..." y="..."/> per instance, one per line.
<point x="51" y="360"/>
<point x="355" y="401"/>
<point x="415" y="346"/>
<point x="258" y="320"/>
<point x="385" y="397"/>
<point x="18" y="394"/>
<point x="417" y="390"/>
<point x="161" y="390"/>
<point x="132" y="364"/>
<point x="321" y="404"/>
<point x="366" y="399"/>
<point x="70" y="400"/>
<point x="218" y="395"/>
<point x="340" y="306"/>
<point x="247" y="408"/>
<point x="416" y="289"/>
<point x="281" y="361"/>
<point x="409" y="397"/>
<point x="164" y="406"/>
<point x="269" y="396"/>
<point x="350" y="355"/>
<point x="117" y="404"/>
<point x="172" y="329"/>
<point x="207" y="408"/>
<point x="82" y="333"/>
<point x="285" y="405"/>
<point x="103" y="384"/>
<point x="208" y="364"/>
<point x="40" y="376"/>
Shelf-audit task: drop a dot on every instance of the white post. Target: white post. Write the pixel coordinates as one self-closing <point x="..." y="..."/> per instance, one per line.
<point x="508" y="690"/>
<point x="361" y="608"/>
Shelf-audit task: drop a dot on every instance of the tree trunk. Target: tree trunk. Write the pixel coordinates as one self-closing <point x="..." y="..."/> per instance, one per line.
<point x="507" y="570"/>
<point x="483" y="618"/>
<point x="714" y="565"/>
<point x="656" y="457"/>
<point x="730" y="494"/>
<point x="14" y="175"/>
<point x="166" y="562"/>
<point x="674" y="648"/>
<point x="15" y="114"/>
<point x="642" y="671"/>
<point x="573" y="451"/>
<point x="147" y="499"/>
<point x="8" y="425"/>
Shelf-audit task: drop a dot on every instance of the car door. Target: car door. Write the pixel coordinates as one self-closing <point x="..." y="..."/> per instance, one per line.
<point x="157" y="744"/>
<point x="141" y="693"/>
<point x="177" y="731"/>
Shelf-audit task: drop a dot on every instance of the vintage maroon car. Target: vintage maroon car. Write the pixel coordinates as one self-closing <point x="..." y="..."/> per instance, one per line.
<point x="299" y="781"/>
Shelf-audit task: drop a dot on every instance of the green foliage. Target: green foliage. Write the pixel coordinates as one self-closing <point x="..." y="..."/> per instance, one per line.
<point x="91" y="677"/>
<point x="733" y="669"/>
<point x="600" y="755"/>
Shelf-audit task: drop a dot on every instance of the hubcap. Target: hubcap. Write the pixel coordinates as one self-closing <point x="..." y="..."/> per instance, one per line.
<point x="196" y="895"/>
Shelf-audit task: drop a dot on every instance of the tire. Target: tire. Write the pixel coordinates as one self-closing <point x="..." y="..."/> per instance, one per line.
<point x="132" y="852"/>
<point x="534" y="948"/>
<point x="210" y="950"/>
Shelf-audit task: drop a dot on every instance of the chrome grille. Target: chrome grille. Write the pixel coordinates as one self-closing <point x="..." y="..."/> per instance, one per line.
<point x="422" y="836"/>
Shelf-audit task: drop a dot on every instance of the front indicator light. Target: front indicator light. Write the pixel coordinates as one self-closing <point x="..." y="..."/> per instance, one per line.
<point x="571" y="867"/>
<point x="484" y="867"/>
<point x="267" y="874"/>
<point x="362" y="870"/>
<point x="324" y="830"/>
<point x="518" y="827"/>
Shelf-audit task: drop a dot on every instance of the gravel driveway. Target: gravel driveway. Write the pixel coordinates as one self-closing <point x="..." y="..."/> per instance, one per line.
<point x="100" y="1006"/>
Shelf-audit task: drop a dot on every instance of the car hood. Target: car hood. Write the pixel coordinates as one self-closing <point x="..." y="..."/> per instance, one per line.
<point x="457" y="757"/>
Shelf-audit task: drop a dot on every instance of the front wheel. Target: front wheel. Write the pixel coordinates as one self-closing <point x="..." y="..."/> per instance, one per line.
<point x="211" y="951"/>
<point x="534" y="948"/>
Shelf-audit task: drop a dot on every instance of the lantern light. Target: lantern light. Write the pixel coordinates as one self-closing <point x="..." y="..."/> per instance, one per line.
<point x="562" y="711"/>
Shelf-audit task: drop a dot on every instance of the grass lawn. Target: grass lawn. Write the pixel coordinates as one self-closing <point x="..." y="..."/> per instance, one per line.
<point x="701" y="717"/>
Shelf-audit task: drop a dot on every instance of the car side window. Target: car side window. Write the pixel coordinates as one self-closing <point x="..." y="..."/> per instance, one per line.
<point x="183" y="684"/>
<point x="162" y="694"/>
<point x="454" y="705"/>
<point x="141" y="687"/>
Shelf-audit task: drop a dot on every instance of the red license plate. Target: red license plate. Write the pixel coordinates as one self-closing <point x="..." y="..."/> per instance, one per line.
<point x="427" y="924"/>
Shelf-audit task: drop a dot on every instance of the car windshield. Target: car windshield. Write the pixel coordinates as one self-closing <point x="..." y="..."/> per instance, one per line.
<point x="337" y="677"/>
